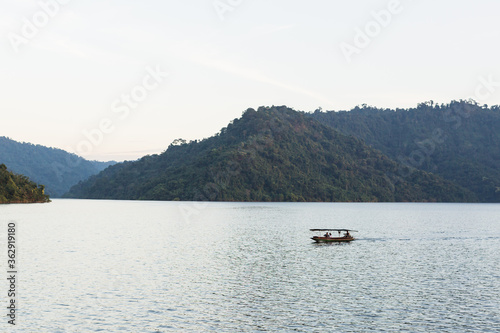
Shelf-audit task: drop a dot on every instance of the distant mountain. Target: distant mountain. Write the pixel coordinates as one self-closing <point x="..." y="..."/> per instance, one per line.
<point x="273" y="154"/>
<point x="459" y="141"/>
<point x="19" y="189"/>
<point x="56" y="168"/>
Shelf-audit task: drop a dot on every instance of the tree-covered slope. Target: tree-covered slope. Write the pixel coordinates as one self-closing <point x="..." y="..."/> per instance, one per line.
<point x="56" y="168"/>
<point x="19" y="189"/>
<point x="273" y="154"/>
<point x="459" y="141"/>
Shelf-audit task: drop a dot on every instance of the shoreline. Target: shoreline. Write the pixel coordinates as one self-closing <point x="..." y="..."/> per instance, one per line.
<point x="24" y="202"/>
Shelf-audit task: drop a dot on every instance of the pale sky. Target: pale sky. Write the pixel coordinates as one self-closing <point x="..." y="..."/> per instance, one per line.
<point x="70" y="67"/>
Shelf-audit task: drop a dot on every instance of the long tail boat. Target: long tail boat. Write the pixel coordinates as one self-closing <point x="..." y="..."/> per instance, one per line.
<point x="327" y="237"/>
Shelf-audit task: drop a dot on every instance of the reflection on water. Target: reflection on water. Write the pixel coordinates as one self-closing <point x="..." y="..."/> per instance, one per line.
<point x="89" y="266"/>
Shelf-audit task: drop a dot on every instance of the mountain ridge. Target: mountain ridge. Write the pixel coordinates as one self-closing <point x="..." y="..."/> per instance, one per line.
<point x="272" y="154"/>
<point x="56" y="168"/>
<point x="459" y="141"/>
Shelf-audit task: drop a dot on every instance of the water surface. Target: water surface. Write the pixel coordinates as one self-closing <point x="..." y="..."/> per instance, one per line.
<point x="130" y="266"/>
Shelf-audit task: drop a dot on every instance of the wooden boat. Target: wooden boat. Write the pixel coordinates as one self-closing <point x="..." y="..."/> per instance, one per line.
<point x="328" y="238"/>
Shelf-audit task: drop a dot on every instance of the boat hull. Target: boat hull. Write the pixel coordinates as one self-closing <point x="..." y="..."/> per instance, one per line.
<point x="319" y="239"/>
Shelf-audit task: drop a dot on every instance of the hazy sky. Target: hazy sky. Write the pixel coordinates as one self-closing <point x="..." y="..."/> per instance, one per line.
<point x="90" y="76"/>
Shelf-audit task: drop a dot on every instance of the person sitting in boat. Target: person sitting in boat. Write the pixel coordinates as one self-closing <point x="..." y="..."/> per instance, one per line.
<point x="347" y="234"/>
<point x="326" y="235"/>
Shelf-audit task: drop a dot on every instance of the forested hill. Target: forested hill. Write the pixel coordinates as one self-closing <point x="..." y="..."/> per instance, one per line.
<point x="273" y="154"/>
<point x="19" y="189"/>
<point x="56" y="168"/>
<point x="459" y="141"/>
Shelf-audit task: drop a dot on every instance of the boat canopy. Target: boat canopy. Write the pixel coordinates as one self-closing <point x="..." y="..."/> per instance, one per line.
<point x="333" y="230"/>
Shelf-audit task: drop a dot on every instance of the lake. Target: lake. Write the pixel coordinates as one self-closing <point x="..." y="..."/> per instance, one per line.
<point x="135" y="266"/>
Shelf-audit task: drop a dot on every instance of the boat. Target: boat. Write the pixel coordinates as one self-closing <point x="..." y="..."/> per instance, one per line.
<point x="328" y="238"/>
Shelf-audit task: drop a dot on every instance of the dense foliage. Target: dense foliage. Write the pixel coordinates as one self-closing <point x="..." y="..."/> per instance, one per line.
<point x="273" y="154"/>
<point x="19" y="189"/>
<point x="459" y="141"/>
<point x="56" y="168"/>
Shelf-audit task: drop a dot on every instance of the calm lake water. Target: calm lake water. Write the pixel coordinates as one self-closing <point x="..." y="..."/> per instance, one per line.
<point x="122" y="266"/>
